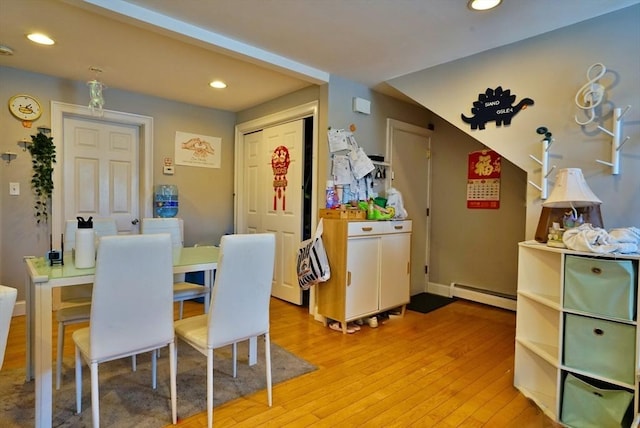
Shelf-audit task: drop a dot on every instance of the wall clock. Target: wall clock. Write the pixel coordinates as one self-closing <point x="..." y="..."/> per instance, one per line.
<point x="25" y="107"/>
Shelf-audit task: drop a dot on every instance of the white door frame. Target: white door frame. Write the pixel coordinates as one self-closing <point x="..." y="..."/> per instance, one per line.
<point x="61" y="110"/>
<point x="294" y="113"/>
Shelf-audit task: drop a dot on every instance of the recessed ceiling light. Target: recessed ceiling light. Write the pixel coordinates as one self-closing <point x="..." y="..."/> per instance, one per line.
<point x="5" y="50"/>
<point x="218" y="84"/>
<point x="40" y="39"/>
<point x="483" y="4"/>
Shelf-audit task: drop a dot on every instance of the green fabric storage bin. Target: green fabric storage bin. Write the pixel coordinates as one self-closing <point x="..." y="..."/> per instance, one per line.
<point x="587" y="406"/>
<point x="602" y="347"/>
<point x="602" y="287"/>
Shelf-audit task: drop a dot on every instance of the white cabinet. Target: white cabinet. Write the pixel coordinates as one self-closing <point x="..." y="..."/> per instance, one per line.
<point x="564" y="332"/>
<point x="370" y="268"/>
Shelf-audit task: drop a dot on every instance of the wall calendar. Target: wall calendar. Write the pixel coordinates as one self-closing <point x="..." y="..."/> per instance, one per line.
<point x="483" y="180"/>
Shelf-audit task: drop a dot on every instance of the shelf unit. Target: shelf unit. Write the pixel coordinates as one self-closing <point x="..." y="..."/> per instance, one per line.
<point x="542" y="346"/>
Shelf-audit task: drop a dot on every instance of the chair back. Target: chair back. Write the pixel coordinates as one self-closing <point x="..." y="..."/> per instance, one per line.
<point x="241" y="293"/>
<point x="7" y="302"/>
<point x="132" y="302"/>
<point x="101" y="226"/>
<point x="170" y="225"/>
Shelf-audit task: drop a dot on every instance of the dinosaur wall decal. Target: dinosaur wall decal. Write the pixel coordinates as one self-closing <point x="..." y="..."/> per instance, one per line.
<point x="495" y="105"/>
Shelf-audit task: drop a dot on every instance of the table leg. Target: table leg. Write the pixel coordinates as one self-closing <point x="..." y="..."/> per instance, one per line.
<point x="43" y="355"/>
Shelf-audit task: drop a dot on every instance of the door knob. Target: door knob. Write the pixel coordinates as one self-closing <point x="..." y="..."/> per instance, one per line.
<point x="135" y="221"/>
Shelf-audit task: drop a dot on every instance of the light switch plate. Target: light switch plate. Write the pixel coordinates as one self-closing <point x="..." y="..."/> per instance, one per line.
<point x="14" y="188"/>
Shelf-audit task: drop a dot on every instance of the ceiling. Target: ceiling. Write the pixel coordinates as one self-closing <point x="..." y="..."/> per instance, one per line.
<point x="264" y="48"/>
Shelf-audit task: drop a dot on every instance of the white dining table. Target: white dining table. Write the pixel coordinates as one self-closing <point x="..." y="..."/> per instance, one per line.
<point x="40" y="280"/>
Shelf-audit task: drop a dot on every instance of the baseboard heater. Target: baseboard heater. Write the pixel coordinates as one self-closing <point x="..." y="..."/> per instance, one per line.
<point x="480" y="295"/>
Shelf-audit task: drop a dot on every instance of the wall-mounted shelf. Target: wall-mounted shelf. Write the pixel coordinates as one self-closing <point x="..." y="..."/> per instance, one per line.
<point x="9" y="156"/>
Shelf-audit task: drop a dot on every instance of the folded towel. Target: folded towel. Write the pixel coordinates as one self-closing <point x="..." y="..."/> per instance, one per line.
<point x="597" y="240"/>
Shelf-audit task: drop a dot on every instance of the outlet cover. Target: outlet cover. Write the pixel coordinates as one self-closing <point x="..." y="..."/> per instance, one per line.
<point x="14" y="188"/>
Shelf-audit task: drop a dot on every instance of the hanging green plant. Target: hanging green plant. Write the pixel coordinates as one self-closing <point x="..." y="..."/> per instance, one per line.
<point x="43" y="154"/>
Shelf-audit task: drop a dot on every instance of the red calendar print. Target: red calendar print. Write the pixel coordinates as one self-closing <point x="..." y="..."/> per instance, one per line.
<point x="483" y="180"/>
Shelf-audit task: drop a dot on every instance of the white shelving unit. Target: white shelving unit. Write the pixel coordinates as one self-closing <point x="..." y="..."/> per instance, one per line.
<point x="541" y="340"/>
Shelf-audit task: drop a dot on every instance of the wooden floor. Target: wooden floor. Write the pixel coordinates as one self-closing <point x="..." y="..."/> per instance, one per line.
<point x="450" y="368"/>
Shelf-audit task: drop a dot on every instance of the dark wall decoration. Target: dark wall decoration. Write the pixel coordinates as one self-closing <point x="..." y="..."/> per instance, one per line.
<point x="497" y="105"/>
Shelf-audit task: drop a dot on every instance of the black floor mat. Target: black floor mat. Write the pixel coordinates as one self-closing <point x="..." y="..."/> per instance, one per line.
<point x="427" y="302"/>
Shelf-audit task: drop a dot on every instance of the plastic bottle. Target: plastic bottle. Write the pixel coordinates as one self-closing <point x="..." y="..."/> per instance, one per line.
<point x="370" y="210"/>
<point x="166" y="200"/>
<point x="331" y="196"/>
<point x="85" y="251"/>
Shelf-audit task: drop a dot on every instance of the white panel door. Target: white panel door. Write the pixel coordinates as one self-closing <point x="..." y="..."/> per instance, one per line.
<point x="273" y="198"/>
<point x="101" y="171"/>
<point x="410" y="148"/>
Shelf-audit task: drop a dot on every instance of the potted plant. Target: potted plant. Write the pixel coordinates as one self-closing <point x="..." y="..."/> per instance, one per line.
<point x="43" y="154"/>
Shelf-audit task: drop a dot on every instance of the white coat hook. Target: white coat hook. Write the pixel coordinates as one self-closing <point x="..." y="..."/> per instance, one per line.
<point x="544" y="162"/>
<point x="616" y="140"/>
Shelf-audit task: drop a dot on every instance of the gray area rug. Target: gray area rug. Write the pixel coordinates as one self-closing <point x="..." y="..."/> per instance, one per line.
<point x="126" y="397"/>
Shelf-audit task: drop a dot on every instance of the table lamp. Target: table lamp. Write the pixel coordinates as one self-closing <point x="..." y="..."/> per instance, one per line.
<point x="570" y="191"/>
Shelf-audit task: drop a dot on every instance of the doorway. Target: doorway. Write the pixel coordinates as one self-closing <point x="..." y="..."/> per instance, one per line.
<point x="409" y="148"/>
<point x="294" y="204"/>
<point x="143" y="127"/>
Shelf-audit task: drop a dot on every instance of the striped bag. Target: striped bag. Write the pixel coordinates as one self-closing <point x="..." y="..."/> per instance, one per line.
<point x="313" y="265"/>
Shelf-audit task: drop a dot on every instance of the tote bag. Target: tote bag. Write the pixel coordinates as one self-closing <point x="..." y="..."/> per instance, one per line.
<point x="313" y="265"/>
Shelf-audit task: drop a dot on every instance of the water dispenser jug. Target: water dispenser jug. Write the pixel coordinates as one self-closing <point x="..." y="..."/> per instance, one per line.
<point x="166" y="200"/>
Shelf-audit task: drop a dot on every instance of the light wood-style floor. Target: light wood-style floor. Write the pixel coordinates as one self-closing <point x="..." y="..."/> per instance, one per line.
<point x="450" y="368"/>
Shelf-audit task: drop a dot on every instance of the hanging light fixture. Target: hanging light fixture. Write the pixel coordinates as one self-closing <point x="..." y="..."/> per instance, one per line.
<point x="96" y="101"/>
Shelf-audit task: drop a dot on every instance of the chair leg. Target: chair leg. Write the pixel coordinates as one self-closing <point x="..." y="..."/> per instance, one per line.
<point x="154" y="369"/>
<point x="95" y="395"/>
<point x="172" y="374"/>
<point x="267" y="356"/>
<point x="234" y="359"/>
<point x="133" y="363"/>
<point x="78" y="381"/>
<point x="181" y="309"/>
<point x="210" y="388"/>
<point x="59" y="354"/>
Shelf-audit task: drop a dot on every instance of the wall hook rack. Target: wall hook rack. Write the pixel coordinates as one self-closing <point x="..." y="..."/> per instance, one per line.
<point x="544" y="163"/>
<point x="616" y="139"/>
<point x="9" y="156"/>
<point x="24" y="143"/>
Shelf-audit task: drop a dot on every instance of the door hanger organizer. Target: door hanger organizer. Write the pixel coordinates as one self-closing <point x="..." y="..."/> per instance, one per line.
<point x="280" y="160"/>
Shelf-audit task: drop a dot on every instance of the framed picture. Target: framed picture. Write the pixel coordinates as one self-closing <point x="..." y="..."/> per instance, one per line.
<point x="198" y="150"/>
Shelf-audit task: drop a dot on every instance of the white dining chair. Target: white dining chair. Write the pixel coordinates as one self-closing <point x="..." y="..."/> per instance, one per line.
<point x="182" y="290"/>
<point x="140" y="268"/>
<point x="75" y="301"/>
<point x="239" y="304"/>
<point x="7" y="302"/>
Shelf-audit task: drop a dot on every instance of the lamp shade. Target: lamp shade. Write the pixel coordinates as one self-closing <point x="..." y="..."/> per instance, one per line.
<point x="571" y="190"/>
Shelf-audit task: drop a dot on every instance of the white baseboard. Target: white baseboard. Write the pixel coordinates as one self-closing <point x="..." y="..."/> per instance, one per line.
<point x="474" y="295"/>
<point x="20" y="308"/>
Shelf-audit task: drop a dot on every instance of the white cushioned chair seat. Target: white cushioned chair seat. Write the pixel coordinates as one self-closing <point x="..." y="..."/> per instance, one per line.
<point x="194" y="330"/>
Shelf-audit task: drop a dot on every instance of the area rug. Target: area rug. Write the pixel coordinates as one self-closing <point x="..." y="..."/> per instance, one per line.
<point x="126" y="397"/>
<point x="427" y="302"/>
